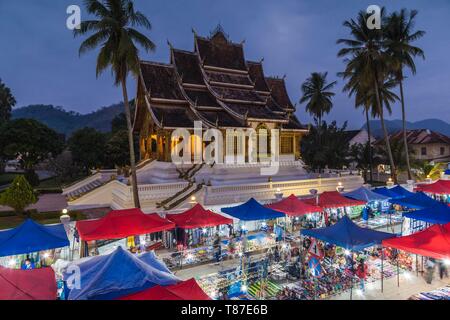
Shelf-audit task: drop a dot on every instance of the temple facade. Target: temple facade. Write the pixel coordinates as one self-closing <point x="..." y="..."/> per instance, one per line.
<point x="216" y="85"/>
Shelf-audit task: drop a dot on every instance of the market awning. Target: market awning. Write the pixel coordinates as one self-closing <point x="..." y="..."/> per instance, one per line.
<point x="365" y="194"/>
<point x="116" y="275"/>
<point x="198" y="217"/>
<point x="433" y="242"/>
<point x="437" y="214"/>
<point x="36" y="284"/>
<point x="185" y="290"/>
<point x="121" y="224"/>
<point x="30" y="237"/>
<point x="438" y="187"/>
<point x="293" y="206"/>
<point x="387" y="192"/>
<point x="401" y="191"/>
<point x="333" y="199"/>
<point x="252" y="210"/>
<point x="346" y="234"/>
<point x="416" y="201"/>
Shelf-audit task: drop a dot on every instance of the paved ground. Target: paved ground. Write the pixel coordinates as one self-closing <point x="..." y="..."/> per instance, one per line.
<point x="410" y="284"/>
<point x="47" y="203"/>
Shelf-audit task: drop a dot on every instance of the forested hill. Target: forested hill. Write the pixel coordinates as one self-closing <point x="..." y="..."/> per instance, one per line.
<point x="67" y="122"/>
<point x="396" y="125"/>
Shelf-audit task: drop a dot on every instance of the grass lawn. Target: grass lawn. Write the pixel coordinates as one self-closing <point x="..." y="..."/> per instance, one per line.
<point x="6" y="178"/>
<point x="11" y="220"/>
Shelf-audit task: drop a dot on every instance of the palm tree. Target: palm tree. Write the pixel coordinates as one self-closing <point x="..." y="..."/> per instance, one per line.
<point x="370" y="61"/>
<point x="399" y="35"/>
<point x="114" y="32"/>
<point x="317" y="94"/>
<point x="7" y="102"/>
<point x="365" y="97"/>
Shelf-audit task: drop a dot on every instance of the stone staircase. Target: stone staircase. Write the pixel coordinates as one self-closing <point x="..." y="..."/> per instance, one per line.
<point x="84" y="189"/>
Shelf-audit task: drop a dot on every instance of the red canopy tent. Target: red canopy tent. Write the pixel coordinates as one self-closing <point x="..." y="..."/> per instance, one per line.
<point x="333" y="199"/>
<point x="438" y="187"/>
<point x="36" y="284"/>
<point x="293" y="206"/>
<point x="185" y="290"/>
<point x="198" y="217"/>
<point x="119" y="224"/>
<point x="433" y="242"/>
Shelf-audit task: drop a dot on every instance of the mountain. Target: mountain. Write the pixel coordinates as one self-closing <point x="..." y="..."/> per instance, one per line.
<point x="66" y="122"/>
<point x="396" y="125"/>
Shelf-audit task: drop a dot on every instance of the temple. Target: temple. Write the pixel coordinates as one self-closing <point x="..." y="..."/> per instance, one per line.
<point x="216" y="85"/>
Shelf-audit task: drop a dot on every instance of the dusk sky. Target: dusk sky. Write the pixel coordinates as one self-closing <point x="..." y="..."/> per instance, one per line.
<point x="39" y="57"/>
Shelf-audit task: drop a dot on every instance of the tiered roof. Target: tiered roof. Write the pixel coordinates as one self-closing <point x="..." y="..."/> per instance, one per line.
<point x="213" y="84"/>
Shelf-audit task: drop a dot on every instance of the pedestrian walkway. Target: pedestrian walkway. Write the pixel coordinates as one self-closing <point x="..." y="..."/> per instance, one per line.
<point x="51" y="202"/>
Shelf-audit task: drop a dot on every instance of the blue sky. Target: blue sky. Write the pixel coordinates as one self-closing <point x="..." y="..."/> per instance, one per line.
<point x="40" y="62"/>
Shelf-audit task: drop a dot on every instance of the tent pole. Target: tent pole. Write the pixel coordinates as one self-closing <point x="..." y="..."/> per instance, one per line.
<point x="398" y="270"/>
<point x="417" y="266"/>
<point x="382" y="269"/>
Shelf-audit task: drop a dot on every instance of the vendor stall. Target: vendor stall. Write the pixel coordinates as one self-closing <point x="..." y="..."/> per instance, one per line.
<point x="387" y="192"/>
<point x="439" y="190"/>
<point x="32" y="245"/>
<point x="121" y="224"/>
<point x="415" y="201"/>
<point x="184" y="290"/>
<point x="377" y="203"/>
<point x="299" y="212"/>
<point x="398" y="189"/>
<point x="116" y="275"/>
<point x="337" y="206"/>
<point x="37" y="284"/>
<point x="421" y="219"/>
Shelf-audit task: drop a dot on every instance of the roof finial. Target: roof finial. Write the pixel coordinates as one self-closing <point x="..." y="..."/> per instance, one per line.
<point x="262" y="59"/>
<point x="193" y="31"/>
<point x="169" y="44"/>
<point x="284" y="76"/>
<point x="246" y="115"/>
<point x="217" y="121"/>
<point x="243" y="42"/>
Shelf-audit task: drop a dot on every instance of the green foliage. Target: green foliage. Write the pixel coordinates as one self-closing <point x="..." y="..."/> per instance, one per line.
<point x="32" y="177"/>
<point x="426" y="169"/>
<point x="19" y="195"/>
<point x="333" y="150"/>
<point x="119" y="123"/>
<point x="117" y="150"/>
<point x="88" y="148"/>
<point x="7" y="102"/>
<point x="359" y="154"/>
<point x="30" y="141"/>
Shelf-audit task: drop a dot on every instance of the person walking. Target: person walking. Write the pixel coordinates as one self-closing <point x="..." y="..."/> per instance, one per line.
<point x="442" y="270"/>
<point x="430" y="265"/>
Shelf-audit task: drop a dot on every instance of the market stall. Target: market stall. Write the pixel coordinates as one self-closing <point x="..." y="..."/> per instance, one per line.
<point x="376" y="202"/>
<point x="37" y="284"/>
<point x="415" y="201"/>
<point x="184" y="290"/>
<point x="32" y="245"/>
<point x="347" y="235"/>
<point x="199" y="234"/>
<point x="336" y="205"/>
<point x="387" y="192"/>
<point x="439" y="190"/>
<point x="421" y="219"/>
<point x="299" y="212"/>
<point x="140" y="228"/>
<point x="403" y="192"/>
<point x="116" y="275"/>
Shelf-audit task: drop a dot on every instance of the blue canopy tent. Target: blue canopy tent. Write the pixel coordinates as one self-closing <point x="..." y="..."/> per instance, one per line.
<point x="117" y="274"/>
<point x="32" y="237"/>
<point x="346" y="234"/>
<point x="401" y="191"/>
<point x="387" y="192"/>
<point x="417" y="200"/>
<point x="437" y="214"/>
<point x="447" y="172"/>
<point x="365" y="194"/>
<point x="252" y="210"/>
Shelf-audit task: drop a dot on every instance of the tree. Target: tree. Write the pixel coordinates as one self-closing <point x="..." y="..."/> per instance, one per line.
<point x="119" y="123"/>
<point x="399" y="36"/>
<point x="334" y="151"/>
<point x="88" y="148"/>
<point x="19" y="195"/>
<point x="398" y="154"/>
<point x="426" y="169"/>
<point x="366" y="57"/>
<point x="29" y="141"/>
<point x="7" y="102"/>
<point x="317" y="95"/>
<point x="363" y="157"/>
<point x="116" y="151"/>
<point x="114" y="32"/>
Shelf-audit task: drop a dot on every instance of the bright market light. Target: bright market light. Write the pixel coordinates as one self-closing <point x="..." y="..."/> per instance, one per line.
<point x="65" y="211"/>
<point x="447" y="262"/>
<point x="296" y="218"/>
<point x="243" y="228"/>
<point x="46" y="255"/>
<point x="204" y="230"/>
<point x="11" y="262"/>
<point x="407" y="275"/>
<point x="264" y="224"/>
<point x="278" y="190"/>
<point x="359" y="292"/>
<point x="347" y="252"/>
<point x="240" y="254"/>
<point x="189" y="256"/>
<point x="244" y="288"/>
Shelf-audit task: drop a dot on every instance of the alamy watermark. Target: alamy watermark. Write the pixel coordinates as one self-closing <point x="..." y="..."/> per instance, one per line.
<point x="243" y="146"/>
<point x="74" y="20"/>
<point x="374" y="18"/>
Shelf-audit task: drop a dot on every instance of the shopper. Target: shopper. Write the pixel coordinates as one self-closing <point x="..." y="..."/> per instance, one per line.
<point x="217" y="248"/>
<point x="430" y="265"/>
<point x="361" y="273"/>
<point x="442" y="270"/>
